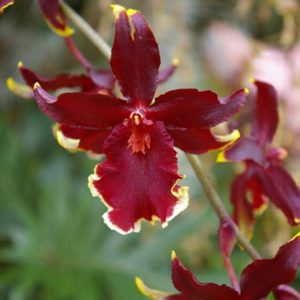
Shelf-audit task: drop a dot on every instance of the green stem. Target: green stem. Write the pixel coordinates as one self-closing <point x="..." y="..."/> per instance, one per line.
<point x="195" y="162"/>
<point x="217" y="203"/>
<point x="87" y="30"/>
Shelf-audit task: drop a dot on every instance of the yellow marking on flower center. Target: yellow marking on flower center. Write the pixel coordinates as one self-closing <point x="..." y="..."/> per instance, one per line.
<point x="139" y="140"/>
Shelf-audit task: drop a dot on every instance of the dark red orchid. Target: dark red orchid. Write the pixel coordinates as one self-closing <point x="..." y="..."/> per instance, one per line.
<point x="4" y="4"/>
<point x="257" y="280"/>
<point x="264" y="175"/>
<point x="138" y="178"/>
<point x="55" y="17"/>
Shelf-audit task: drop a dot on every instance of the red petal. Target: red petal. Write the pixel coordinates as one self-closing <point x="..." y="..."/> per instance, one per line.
<point x="138" y="186"/>
<point x="191" y="288"/>
<point x="227" y="240"/>
<point x="243" y="213"/>
<point x="190" y="108"/>
<point x="194" y="140"/>
<point x="135" y="56"/>
<point x="55" y="18"/>
<point x="103" y="79"/>
<point x="259" y="278"/>
<point x="88" y="140"/>
<point x="4" y="4"/>
<point x="245" y="149"/>
<point x="60" y="81"/>
<point x="285" y="292"/>
<point x="283" y="192"/>
<point x="266" y="114"/>
<point x="166" y="73"/>
<point x="92" y="111"/>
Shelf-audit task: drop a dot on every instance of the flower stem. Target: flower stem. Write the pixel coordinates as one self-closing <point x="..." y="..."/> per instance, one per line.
<point x="87" y="30"/>
<point x="195" y="161"/>
<point x="217" y="203"/>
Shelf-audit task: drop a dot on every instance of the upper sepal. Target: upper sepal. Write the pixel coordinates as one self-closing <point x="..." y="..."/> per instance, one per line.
<point x="135" y="56"/>
<point x="265" y="113"/>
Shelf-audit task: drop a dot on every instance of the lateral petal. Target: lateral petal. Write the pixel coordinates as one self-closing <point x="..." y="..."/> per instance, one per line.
<point x="242" y="210"/>
<point x="260" y="277"/>
<point x="191" y="288"/>
<point x="73" y="138"/>
<point x="136" y="185"/>
<point x="54" y="17"/>
<point x="227" y="241"/>
<point x="59" y="81"/>
<point x="266" y="113"/>
<point x="88" y="110"/>
<point x="191" y="108"/>
<point x="244" y="149"/>
<point x="194" y="140"/>
<point x="283" y="192"/>
<point x="285" y="292"/>
<point x="167" y="72"/>
<point x="135" y="56"/>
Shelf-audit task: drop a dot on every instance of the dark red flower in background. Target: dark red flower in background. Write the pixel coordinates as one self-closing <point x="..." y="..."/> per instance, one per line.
<point x="4" y="4"/>
<point x="257" y="280"/>
<point x="138" y="178"/>
<point x="264" y="175"/>
<point x="55" y="17"/>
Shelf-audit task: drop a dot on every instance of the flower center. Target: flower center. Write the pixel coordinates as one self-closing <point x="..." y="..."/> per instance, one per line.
<point x="140" y="138"/>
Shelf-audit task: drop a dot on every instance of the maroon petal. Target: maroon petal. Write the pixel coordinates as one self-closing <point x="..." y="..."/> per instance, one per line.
<point x="103" y="79"/>
<point x="88" y="110"/>
<point x="73" y="138"/>
<point x="242" y="209"/>
<point x="282" y="190"/>
<point x="262" y="276"/>
<point x="138" y="185"/>
<point x="227" y="241"/>
<point x="191" y="288"/>
<point x="266" y="114"/>
<point x="4" y="4"/>
<point x="190" y="108"/>
<point x="244" y="149"/>
<point x="166" y="73"/>
<point x="285" y="292"/>
<point x="194" y="140"/>
<point x="54" y="83"/>
<point x="135" y="56"/>
<point x="54" y="17"/>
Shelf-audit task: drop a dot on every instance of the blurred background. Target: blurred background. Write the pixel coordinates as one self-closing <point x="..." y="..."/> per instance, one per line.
<point x="53" y="243"/>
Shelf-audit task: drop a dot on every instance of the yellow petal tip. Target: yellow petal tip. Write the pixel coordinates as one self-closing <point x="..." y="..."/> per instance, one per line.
<point x="221" y="158"/>
<point x="247" y="91"/>
<point x="251" y="79"/>
<point x="297" y="235"/>
<point x="131" y="11"/>
<point x="20" y="65"/>
<point x="173" y="255"/>
<point x="175" y="61"/>
<point x="36" y="85"/>
<point x="117" y="9"/>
